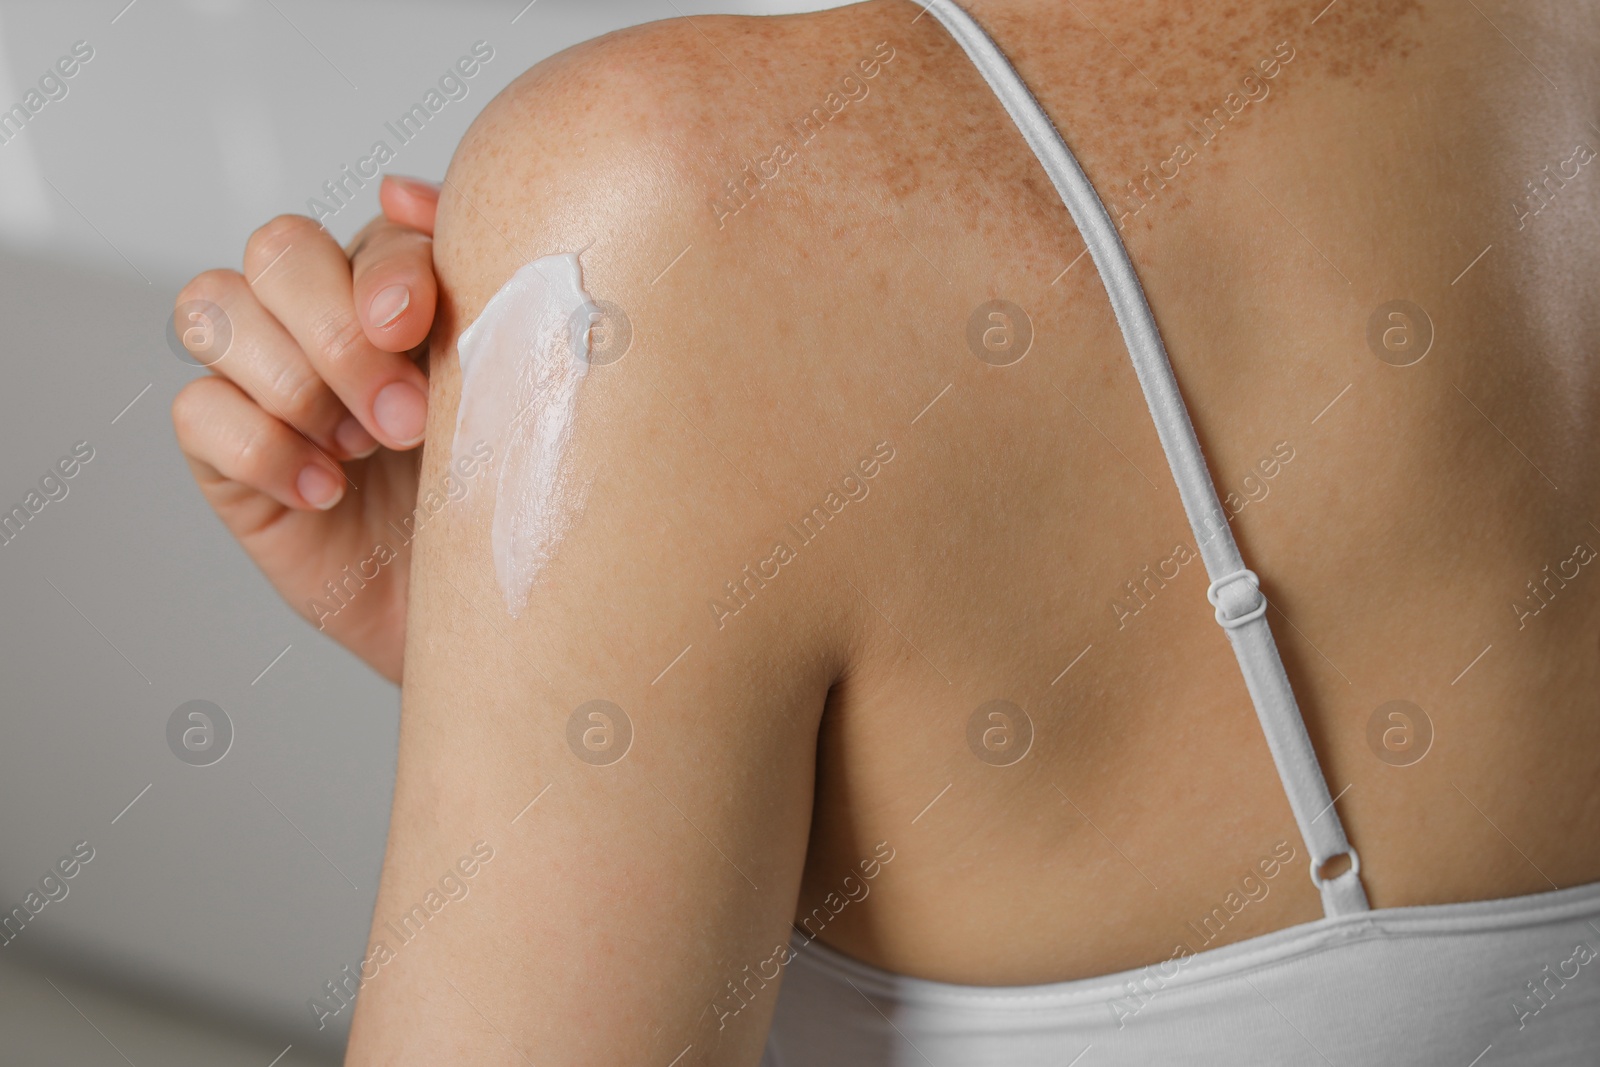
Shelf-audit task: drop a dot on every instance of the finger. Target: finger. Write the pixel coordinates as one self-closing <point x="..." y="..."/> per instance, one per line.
<point x="394" y="287"/>
<point x="220" y="428"/>
<point x="409" y="202"/>
<point x="310" y="291"/>
<point x="266" y="362"/>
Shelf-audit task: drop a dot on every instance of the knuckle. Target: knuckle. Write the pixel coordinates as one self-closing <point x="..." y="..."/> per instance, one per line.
<point x="186" y="409"/>
<point x="202" y="413"/>
<point x="275" y="238"/>
<point x="217" y="286"/>
<point x="338" y="337"/>
<point x="302" y="397"/>
<point x="253" y="455"/>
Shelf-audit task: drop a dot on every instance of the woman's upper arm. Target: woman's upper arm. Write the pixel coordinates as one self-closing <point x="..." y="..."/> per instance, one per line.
<point x="627" y="776"/>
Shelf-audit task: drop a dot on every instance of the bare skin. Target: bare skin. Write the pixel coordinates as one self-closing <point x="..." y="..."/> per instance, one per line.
<point x="779" y="346"/>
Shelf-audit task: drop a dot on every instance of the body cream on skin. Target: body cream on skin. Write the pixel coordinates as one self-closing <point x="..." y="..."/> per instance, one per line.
<point x="522" y="361"/>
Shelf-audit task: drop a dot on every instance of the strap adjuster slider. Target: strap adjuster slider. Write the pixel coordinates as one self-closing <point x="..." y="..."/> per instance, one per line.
<point x="1237" y="598"/>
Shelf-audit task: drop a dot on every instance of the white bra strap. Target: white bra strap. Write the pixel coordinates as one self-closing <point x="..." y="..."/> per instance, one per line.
<point x="1234" y="592"/>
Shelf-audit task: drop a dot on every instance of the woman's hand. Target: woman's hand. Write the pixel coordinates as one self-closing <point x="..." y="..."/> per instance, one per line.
<point x="303" y="437"/>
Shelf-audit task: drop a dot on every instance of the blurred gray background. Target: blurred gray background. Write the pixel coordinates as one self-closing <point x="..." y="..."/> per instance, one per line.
<point x="219" y="898"/>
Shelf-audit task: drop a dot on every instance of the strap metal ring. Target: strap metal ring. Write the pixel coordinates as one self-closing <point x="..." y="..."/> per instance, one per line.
<point x="1355" y="868"/>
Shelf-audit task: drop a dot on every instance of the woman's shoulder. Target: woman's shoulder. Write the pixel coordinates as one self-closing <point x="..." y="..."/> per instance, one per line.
<point x="718" y="181"/>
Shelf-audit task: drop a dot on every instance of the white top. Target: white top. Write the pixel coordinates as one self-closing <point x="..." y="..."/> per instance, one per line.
<point x="1460" y="985"/>
<point x="1493" y="982"/>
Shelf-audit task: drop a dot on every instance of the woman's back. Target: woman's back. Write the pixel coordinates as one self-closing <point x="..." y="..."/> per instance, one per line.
<point x="878" y="438"/>
<point x="1027" y="545"/>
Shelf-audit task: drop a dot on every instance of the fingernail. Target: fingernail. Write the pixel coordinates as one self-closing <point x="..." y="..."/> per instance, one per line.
<point x="320" y="487"/>
<point x="388" y="304"/>
<point x="401" y="411"/>
<point x="354" y="438"/>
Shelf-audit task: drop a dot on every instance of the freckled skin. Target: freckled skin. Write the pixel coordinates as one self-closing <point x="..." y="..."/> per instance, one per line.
<point x="775" y="345"/>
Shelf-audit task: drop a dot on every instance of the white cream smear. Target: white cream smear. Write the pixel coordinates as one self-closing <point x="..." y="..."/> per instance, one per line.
<point x="522" y="360"/>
